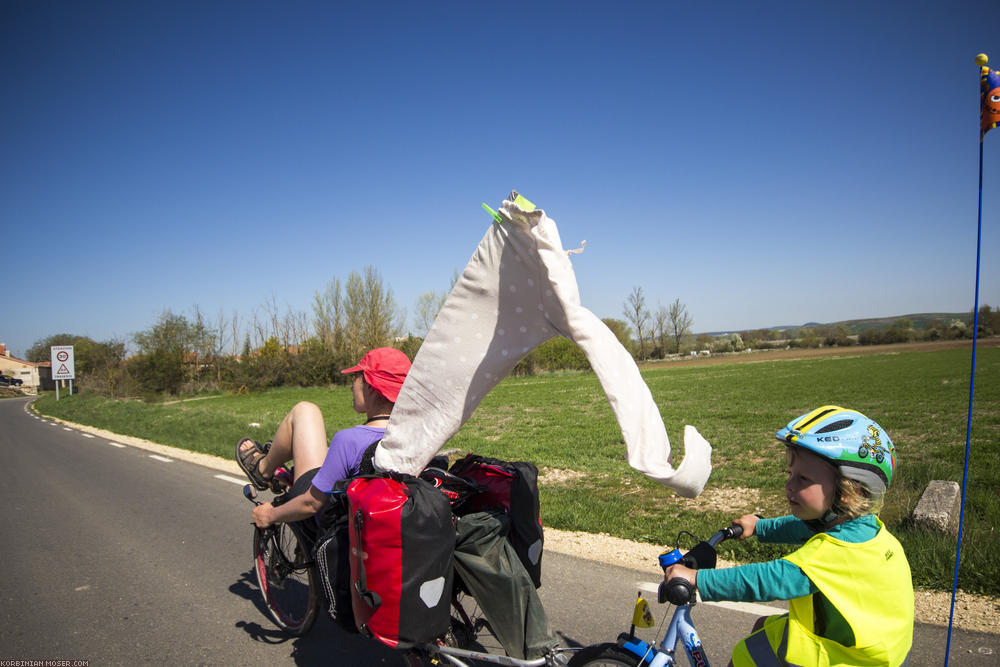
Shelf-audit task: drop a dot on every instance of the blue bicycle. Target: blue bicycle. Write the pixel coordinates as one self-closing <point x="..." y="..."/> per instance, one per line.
<point x="630" y="651"/>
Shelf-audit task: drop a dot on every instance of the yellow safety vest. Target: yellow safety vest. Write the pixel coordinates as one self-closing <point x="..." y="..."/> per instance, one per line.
<point x="870" y="585"/>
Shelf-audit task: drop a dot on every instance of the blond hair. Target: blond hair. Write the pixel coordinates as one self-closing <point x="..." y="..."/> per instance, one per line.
<point x="854" y="499"/>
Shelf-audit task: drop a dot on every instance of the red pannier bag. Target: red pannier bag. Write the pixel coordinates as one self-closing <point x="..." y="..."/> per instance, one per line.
<point x="513" y="487"/>
<point x="402" y="537"/>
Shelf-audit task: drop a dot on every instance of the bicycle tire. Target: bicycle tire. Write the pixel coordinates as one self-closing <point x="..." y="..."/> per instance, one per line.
<point x="286" y="577"/>
<point x="609" y="655"/>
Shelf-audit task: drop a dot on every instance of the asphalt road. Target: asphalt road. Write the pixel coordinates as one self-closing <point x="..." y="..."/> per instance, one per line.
<point x="116" y="556"/>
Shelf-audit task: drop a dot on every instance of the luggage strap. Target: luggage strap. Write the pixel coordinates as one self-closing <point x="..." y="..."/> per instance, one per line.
<point x="371" y="598"/>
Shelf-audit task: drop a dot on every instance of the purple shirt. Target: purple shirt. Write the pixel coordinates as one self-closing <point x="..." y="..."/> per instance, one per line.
<point x="344" y="456"/>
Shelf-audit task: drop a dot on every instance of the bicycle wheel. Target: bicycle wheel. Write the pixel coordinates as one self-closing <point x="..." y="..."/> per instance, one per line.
<point x="286" y="577"/>
<point x="611" y="655"/>
<point x="462" y="631"/>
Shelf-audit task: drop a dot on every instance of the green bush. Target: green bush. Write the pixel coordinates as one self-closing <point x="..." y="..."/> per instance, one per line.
<point x="158" y="372"/>
<point x="554" y="354"/>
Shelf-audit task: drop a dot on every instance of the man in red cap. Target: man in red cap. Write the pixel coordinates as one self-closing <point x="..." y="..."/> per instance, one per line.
<point x="302" y="436"/>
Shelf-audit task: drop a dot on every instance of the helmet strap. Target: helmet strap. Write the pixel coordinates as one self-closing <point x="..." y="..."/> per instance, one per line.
<point x="821" y="525"/>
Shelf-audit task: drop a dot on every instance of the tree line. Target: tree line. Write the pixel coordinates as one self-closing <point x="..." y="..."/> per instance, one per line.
<point x="186" y="354"/>
<point x="192" y="353"/>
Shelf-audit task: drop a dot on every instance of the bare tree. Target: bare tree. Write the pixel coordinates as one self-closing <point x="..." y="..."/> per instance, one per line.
<point x="371" y="317"/>
<point x="428" y="306"/>
<point x="680" y="323"/>
<point x="661" y="319"/>
<point x="222" y="340"/>
<point x="236" y="331"/>
<point x="328" y="315"/>
<point x="637" y="315"/>
<point x="259" y="331"/>
<point x="295" y="327"/>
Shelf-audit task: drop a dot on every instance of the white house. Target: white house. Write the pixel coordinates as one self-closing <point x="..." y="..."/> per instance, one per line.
<point x="20" y="369"/>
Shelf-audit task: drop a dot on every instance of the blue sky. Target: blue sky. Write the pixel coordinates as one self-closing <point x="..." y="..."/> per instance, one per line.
<point x="766" y="163"/>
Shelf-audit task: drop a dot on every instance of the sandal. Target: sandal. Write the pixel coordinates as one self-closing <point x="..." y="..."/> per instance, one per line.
<point x="249" y="460"/>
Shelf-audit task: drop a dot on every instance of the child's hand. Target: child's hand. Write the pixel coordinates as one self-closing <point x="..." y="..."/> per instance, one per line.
<point x="748" y="522"/>
<point x="678" y="570"/>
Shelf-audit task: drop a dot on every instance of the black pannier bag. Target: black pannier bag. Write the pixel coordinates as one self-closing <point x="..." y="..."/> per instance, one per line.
<point x="331" y="554"/>
<point x="402" y="541"/>
<point x="513" y="487"/>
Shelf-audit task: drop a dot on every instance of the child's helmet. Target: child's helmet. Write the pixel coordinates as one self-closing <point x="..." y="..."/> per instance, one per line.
<point x="858" y="446"/>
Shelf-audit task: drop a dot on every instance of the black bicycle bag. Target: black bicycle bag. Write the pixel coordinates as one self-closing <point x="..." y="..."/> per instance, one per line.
<point x="511" y="486"/>
<point x="332" y="557"/>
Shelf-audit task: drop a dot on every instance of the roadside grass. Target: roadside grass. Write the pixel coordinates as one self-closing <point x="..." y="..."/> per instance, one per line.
<point x="564" y="424"/>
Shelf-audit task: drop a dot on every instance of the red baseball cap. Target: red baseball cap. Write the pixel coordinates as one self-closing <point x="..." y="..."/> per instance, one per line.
<point x="384" y="369"/>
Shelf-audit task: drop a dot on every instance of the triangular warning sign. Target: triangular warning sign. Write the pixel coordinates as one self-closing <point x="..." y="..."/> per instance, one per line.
<point x="62" y="370"/>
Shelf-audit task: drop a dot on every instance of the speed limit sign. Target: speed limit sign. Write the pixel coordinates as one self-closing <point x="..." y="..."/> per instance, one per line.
<point x="62" y="362"/>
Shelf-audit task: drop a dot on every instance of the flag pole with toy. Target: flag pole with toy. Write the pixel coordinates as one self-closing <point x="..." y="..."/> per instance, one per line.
<point x="989" y="118"/>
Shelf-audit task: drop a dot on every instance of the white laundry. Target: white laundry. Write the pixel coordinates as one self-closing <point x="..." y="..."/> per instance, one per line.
<point x="517" y="291"/>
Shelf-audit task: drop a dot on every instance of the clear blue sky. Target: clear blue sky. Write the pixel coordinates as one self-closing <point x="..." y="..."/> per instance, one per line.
<point x="766" y="163"/>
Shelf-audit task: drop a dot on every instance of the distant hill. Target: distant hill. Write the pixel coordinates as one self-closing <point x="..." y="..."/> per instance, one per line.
<point x="920" y="321"/>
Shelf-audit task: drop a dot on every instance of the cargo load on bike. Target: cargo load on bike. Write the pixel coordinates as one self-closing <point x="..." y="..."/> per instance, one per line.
<point x="517" y="291"/>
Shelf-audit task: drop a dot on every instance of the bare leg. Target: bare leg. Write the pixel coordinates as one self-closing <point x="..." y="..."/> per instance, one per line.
<point x="301" y="437"/>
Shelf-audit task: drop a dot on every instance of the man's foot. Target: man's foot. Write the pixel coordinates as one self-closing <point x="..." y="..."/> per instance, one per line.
<point x="249" y="454"/>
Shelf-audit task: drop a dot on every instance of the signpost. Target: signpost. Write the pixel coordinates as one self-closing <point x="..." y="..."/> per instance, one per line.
<point x="62" y="366"/>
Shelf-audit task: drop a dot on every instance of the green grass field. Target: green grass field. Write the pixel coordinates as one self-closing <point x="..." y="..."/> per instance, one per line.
<point x="564" y="424"/>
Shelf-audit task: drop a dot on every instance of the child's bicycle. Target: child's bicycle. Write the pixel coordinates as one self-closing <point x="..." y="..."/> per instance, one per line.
<point x="290" y="583"/>
<point x="629" y="651"/>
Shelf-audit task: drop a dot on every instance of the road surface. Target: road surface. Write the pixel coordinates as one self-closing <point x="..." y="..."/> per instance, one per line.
<point x="118" y="556"/>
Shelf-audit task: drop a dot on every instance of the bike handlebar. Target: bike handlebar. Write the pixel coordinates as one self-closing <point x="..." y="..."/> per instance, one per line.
<point x="728" y="533"/>
<point x="679" y="591"/>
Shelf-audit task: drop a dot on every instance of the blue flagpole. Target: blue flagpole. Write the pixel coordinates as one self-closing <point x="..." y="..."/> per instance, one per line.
<point x="972" y="386"/>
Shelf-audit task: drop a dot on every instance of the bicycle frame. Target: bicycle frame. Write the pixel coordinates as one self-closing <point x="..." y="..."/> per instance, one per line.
<point x="455" y="657"/>
<point x="681" y="628"/>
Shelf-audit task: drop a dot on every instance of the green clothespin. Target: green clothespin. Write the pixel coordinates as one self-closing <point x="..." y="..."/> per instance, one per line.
<point x="496" y="216"/>
<point x="517" y="199"/>
<point x="521" y="201"/>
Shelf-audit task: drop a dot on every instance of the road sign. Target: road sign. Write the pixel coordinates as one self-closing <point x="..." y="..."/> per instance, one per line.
<point x="62" y="362"/>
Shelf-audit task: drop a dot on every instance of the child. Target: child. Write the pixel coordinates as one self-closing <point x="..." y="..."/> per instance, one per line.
<point x="848" y="586"/>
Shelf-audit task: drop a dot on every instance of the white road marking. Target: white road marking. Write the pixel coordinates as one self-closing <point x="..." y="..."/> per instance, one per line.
<point x="749" y="608"/>
<point x="161" y="458"/>
<point x="86" y="435"/>
<point x="116" y="444"/>
<point x="227" y="478"/>
<point x="745" y="607"/>
<point x="67" y="429"/>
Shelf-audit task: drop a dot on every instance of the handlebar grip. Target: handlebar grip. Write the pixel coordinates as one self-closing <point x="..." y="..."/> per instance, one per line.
<point x="735" y="531"/>
<point x="677" y="591"/>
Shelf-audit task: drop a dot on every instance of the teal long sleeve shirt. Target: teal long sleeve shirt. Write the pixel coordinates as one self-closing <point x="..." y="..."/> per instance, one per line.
<point x="777" y="579"/>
